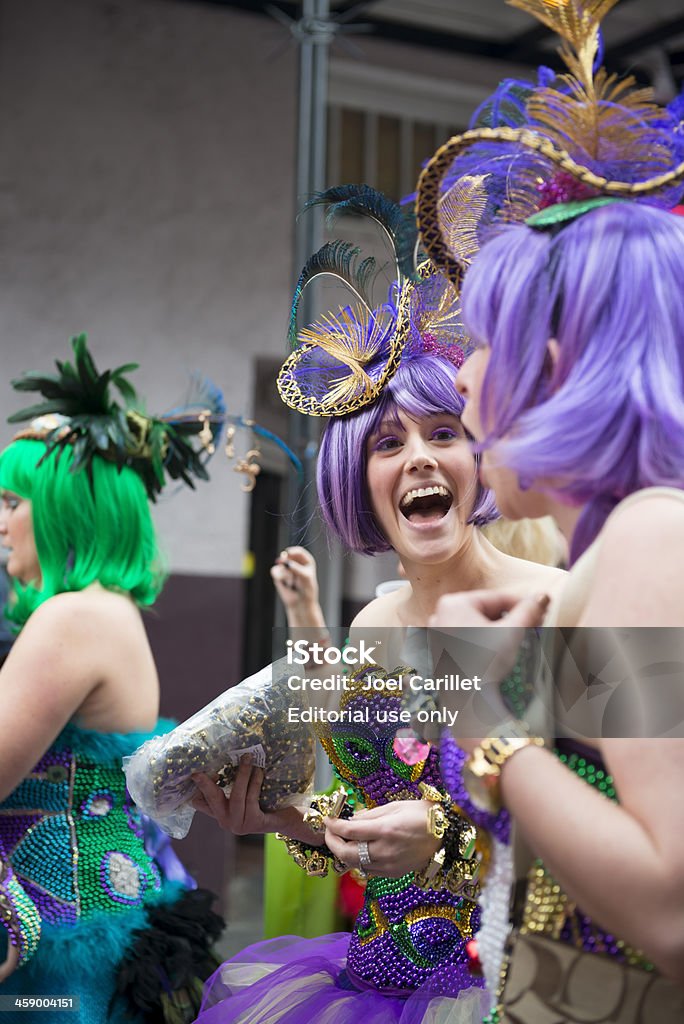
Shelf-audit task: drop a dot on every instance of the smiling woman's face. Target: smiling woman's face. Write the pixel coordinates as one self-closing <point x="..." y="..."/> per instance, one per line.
<point x="422" y="484"/>
<point x="16" y="534"/>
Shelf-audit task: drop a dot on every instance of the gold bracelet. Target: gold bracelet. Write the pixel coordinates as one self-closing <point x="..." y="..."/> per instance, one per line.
<point x="315" y="860"/>
<point x="325" y="805"/>
<point x="482" y="774"/>
<point x="460" y="875"/>
<point x="460" y="878"/>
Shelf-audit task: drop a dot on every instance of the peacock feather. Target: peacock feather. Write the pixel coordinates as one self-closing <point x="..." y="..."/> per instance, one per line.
<point x="338" y="260"/>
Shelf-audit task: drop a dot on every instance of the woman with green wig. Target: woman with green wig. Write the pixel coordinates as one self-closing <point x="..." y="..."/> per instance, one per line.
<point x="95" y="930"/>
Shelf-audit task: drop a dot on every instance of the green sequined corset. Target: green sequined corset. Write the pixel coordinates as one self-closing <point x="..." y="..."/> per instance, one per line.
<point x="74" y="839"/>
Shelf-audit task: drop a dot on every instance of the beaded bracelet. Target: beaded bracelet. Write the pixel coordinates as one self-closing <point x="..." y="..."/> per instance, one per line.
<point x="454" y="866"/>
<point x="18" y="914"/>
<point x="316" y="860"/>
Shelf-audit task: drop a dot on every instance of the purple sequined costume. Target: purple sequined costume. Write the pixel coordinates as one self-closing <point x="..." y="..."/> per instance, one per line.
<point x="408" y="946"/>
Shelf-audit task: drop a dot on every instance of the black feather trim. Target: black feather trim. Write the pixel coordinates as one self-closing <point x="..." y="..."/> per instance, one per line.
<point x="399" y="222"/>
<point x="98" y="425"/>
<point x="162" y="974"/>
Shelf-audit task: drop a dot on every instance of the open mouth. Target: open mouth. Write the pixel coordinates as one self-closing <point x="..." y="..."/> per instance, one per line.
<point x="425" y="503"/>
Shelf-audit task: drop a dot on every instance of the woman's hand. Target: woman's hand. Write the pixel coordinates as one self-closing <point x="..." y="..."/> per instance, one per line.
<point x="241" y="813"/>
<point x="461" y="644"/>
<point x="10" y="964"/>
<point x="295" y="579"/>
<point x="489" y="607"/>
<point x="396" y="833"/>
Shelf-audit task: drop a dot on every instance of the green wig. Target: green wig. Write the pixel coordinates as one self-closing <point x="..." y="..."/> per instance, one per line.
<point x="90" y="526"/>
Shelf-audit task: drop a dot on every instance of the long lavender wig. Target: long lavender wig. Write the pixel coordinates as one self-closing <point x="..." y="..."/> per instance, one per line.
<point x="422" y="386"/>
<point x="608" y="419"/>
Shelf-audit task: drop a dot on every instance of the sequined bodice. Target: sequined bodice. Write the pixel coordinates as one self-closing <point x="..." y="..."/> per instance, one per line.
<point x="74" y="839"/>
<point x="404" y="934"/>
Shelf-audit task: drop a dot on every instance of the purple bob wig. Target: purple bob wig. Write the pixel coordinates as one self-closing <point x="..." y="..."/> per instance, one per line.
<point x="608" y="419"/>
<point x="423" y="385"/>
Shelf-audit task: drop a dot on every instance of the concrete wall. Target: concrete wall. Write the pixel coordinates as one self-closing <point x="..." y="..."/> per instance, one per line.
<point x="147" y="197"/>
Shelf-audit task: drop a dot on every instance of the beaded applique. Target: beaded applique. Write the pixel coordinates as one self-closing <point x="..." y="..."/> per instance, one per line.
<point x="548" y="911"/>
<point x="404" y="933"/>
<point x="75" y="840"/>
<point x="18" y="914"/>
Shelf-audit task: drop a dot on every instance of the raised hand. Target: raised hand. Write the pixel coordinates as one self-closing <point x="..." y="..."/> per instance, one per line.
<point x="295" y="580"/>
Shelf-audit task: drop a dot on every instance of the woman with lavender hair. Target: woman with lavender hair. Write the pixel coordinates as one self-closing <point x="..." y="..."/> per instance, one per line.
<point x="575" y="394"/>
<point x="395" y="472"/>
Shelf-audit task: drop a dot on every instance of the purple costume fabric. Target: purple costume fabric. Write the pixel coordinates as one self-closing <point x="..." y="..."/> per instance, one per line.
<point x="408" y="946"/>
<point x="298" y="981"/>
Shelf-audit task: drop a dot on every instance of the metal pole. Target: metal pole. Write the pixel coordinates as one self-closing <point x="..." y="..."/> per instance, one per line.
<point x="314" y="31"/>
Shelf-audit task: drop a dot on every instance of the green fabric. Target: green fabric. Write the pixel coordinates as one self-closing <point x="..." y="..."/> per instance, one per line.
<point x="294" y="903"/>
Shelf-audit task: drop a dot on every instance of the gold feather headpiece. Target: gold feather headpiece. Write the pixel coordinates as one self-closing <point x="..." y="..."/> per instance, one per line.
<point x="583" y="138"/>
<point x="344" y="359"/>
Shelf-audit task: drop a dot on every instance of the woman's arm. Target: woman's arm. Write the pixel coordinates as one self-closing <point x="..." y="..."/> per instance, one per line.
<point x="48" y="674"/>
<point x="624" y="864"/>
<point x="621" y="863"/>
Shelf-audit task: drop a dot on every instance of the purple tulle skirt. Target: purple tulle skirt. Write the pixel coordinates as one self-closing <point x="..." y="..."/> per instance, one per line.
<point x="298" y="981"/>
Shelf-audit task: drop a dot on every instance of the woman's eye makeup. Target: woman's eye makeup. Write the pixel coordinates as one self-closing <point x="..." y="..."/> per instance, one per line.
<point x="386" y="443"/>
<point x="10" y="501"/>
<point x="445" y="434"/>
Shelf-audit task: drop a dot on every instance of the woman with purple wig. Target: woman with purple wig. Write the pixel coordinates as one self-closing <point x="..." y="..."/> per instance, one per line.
<point x="395" y="472"/>
<point x="575" y="395"/>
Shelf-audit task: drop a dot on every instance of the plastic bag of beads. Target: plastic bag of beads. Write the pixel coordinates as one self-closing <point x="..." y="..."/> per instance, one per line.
<point x="250" y="718"/>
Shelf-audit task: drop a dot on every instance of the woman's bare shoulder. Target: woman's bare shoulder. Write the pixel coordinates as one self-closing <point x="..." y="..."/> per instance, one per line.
<point x="646" y="535"/>
<point x="87" y="625"/>
<point x="637" y="579"/>
<point x="521" y="576"/>
<point x="381" y="611"/>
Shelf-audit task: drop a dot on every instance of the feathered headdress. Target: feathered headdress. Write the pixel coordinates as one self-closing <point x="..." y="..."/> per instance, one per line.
<point x="343" y="360"/>
<point x="563" y="146"/>
<point x="81" y="409"/>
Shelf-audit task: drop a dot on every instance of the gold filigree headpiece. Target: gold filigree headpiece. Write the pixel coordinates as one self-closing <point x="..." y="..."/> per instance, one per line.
<point x="588" y="134"/>
<point x="344" y="359"/>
